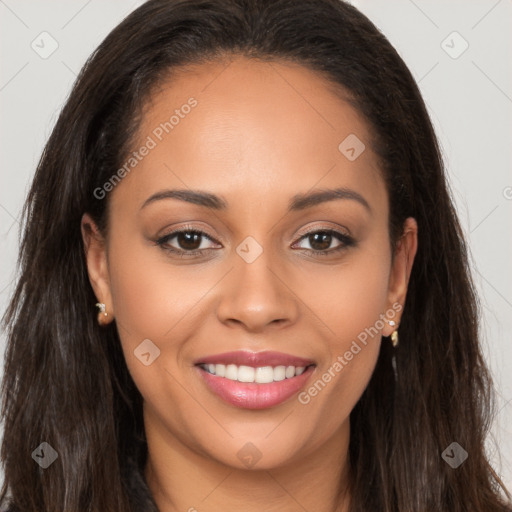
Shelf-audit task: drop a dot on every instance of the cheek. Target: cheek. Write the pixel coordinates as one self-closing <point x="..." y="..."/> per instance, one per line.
<point x="161" y="301"/>
<point x="351" y="301"/>
<point x="152" y="301"/>
<point x="349" y="297"/>
<point x="151" y="296"/>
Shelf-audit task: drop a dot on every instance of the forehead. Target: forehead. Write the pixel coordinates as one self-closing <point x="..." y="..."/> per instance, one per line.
<point x="251" y="130"/>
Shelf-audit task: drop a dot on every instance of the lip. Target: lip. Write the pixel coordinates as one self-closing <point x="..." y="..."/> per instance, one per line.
<point x="255" y="359"/>
<point x="250" y="395"/>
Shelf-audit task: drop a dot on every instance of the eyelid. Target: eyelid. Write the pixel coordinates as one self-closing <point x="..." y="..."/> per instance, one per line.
<point x="341" y="234"/>
<point x="345" y="241"/>
<point x="336" y="229"/>
<point x="188" y="228"/>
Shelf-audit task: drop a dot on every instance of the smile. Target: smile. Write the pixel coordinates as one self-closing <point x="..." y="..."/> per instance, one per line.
<point x="260" y="375"/>
<point x="254" y="380"/>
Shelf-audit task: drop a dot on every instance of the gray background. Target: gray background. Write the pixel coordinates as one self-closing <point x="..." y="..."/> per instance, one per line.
<point x="469" y="97"/>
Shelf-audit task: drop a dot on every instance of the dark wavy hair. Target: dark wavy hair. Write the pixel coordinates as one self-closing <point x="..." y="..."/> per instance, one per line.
<point x="65" y="379"/>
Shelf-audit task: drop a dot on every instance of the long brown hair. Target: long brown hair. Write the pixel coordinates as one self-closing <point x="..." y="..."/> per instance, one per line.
<point x="66" y="381"/>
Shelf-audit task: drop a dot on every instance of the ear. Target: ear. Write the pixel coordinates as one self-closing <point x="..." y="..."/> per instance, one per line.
<point x="97" y="266"/>
<point x="405" y="252"/>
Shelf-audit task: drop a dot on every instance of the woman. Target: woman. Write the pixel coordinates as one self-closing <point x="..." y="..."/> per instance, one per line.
<point x="251" y="194"/>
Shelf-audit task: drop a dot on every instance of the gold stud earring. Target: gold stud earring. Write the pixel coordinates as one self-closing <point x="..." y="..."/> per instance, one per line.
<point x="102" y="313"/>
<point x="102" y="308"/>
<point x="394" y="334"/>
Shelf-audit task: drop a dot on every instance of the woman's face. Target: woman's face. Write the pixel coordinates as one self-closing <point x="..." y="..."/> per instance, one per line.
<point x="272" y="271"/>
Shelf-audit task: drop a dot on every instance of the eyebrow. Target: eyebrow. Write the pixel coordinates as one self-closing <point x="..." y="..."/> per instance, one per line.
<point x="297" y="203"/>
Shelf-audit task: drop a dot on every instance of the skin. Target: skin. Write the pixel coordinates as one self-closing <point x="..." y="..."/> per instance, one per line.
<point x="260" y="134"/>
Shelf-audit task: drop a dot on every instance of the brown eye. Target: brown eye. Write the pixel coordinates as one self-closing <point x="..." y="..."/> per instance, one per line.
<point x="320" y="241"/>
<point x="186" y="242"/>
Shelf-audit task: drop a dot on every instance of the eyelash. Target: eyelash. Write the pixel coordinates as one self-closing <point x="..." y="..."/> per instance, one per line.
<point x="347" y="241"/>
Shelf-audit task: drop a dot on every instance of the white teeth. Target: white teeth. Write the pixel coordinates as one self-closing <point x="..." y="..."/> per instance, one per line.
<point x="264" y="375"/>
<point x="260" y="375"/>
<point x="231" y="372"/>
<point x="246" y="374"/>
<point x="279" y="373"/>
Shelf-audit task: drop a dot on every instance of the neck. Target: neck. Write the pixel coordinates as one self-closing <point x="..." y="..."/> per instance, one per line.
<point x="182" y="479"/>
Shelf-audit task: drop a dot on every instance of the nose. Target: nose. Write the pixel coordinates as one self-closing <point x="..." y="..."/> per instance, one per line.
<point x="257" y="295"/>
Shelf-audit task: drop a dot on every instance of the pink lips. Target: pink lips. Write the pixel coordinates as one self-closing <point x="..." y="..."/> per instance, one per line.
<point x="252" y="395"/>
<point x="255" y="359"/>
